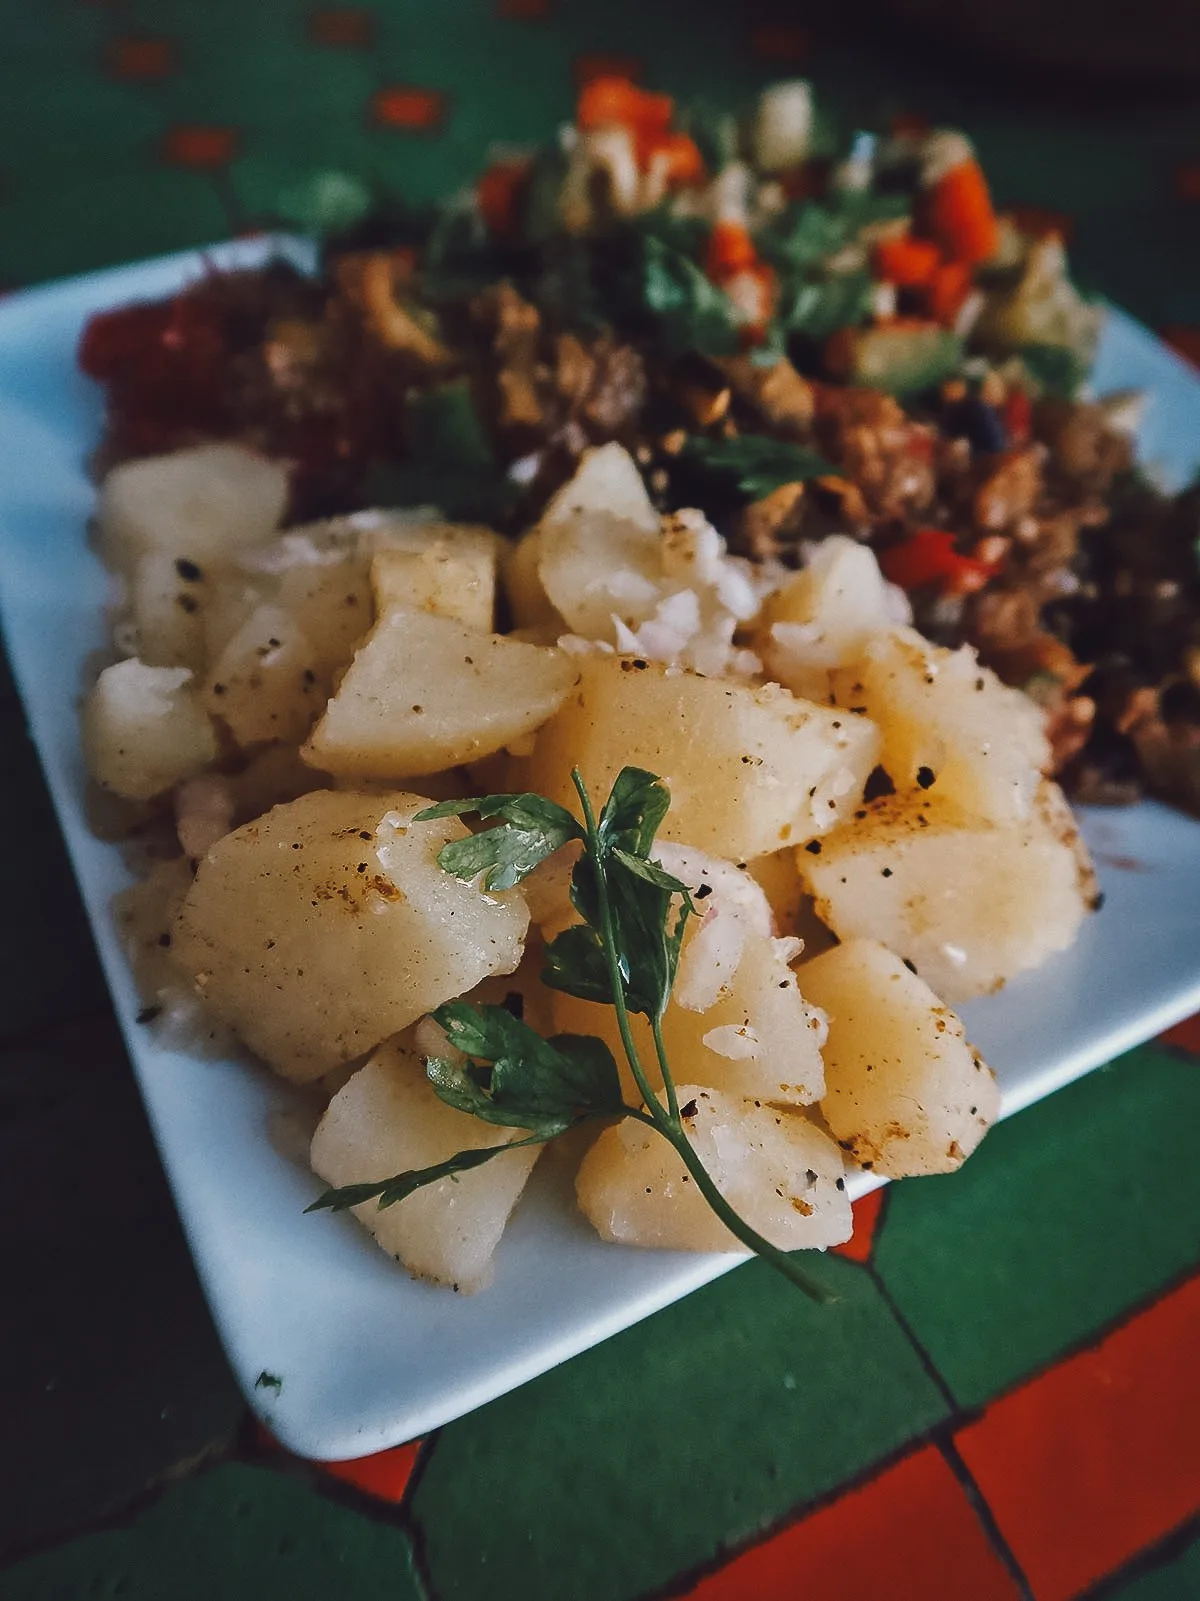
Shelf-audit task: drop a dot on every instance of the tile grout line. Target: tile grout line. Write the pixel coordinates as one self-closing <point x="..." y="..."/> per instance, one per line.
<point x="1146" y="1561"/>
<point x="943" y="1437"/>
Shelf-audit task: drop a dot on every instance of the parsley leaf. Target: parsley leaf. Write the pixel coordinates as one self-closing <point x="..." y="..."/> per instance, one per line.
<point x="634" y="811"/>
<point x="449" y="461"/>
<point x="820" y="307"/>
<point x="531" y="830"/>
<point x="749" y="466"/>
<point x="689" y="311"/>
<point x="401" y="1185"/>
<point x="535" y="1083"/>
<point x="574" y="964"/>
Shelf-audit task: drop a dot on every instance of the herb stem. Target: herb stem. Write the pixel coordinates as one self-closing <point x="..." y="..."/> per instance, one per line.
<point x="667" y="1119"/>
<point x="668" y="1076"/>
<point x="737" y="1225"/>
<point x="616" y="982"/>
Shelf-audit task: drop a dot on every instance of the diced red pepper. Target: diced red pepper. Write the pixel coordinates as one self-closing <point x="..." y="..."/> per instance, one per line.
<point x="1018" y="416"/>
<point x="928" y="557"/>
<point x="907" y="262"/>
<point x="959" y="214"/>
<point x="947" y="290"/>
<point x="498" y="193"/>
<point x="685" y="164"/>
<point x="730" y="251"/>
<point x="609" y="100"/>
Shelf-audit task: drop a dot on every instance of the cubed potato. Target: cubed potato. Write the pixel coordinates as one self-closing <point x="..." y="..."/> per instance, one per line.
<point x="736" y="1021"/>
<point x="203" y="503"/>
<point x="426" y="693"/>
<point x="823" y="616"/>
<point x="332" y="607"/>
<point x="168" y="596"/>
<point x="263" y="685"/>
<point x="779" y="878"/>
<point x="599" y="546"/>
<point x="970" y="904"/>
<point x="271" y="776"/>
<point x="388" y="1119"/>
<point x="144" y="915"/>
<point x="905" y="1093"/>
<point x="459" y="584"/>
<point x="776" y="1168"/>
<point x="327" y="926"/>
<point x="749" y="769"/>
<point x="949" y="724"/>
<point x="144" y="729"/>
<point x="528" y="602"/>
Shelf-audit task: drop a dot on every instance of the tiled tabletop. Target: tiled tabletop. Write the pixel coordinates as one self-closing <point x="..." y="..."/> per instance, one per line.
<point x="1003" y="1402"/>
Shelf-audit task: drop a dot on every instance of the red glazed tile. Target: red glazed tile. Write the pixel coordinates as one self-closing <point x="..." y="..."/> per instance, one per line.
<point x="1186" y="1035"/>
<point x="908" y="1535"/>
<point x="342" y="28"/>
<point x="1185" y="340"/>
<point x="386" y="1474"/>
<point x="777" y="41"/>
<point x="140" y="59"/>
<point x="866" y="1219"/>
<point x="200" y="145"/>
<point x="599" y="64"/>
<point x="911" y="124"/>
<point x="1038" y="220"/>
<point x="1096" y="1459"/>
<point x="401" y="107"/>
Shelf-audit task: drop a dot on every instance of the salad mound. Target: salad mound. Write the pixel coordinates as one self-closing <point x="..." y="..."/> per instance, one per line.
<point x="801" y="339"/>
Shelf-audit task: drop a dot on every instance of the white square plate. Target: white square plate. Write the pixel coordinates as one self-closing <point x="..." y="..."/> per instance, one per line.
<point x="368" y="1357"/>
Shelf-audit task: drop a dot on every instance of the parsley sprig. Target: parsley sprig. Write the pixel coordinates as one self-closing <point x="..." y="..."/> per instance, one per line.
<point x="623" y="952"/>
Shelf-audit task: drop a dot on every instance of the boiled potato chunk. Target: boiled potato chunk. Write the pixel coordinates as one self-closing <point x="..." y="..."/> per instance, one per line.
<point x="327" y="926"/>
<point x="599" y="546"/>
<point x="203" y="503"/>
<point x="905" y="1093"/>
<point x="388" y="1119"/>
<point x="144" y="914"/>
<point x="736" y="1020"/>
<point x="970" y="904"/>
<point x="823" y="616"/>
<point x="144" y="729"/>
<point x="425" y="693"/>
<point x="776" y="1168"/>
<point x="168" y="596"/>
<point x="459" y="584"/>
<point x="263" y="686"/>
<point x="951" y="725"/>
<point x="528" y="601"/>
<point x="749" y="769"/>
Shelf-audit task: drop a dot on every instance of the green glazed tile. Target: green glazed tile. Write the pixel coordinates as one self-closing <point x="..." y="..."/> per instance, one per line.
<point x="1175" y="1578"/>
<point x="90" y="125"/>
<point x="262" y="82"/>
<point x="1067" y="1215"/>
<point x="106" y="221"/>
<point x="237" y="1533"/>
<point x="52" y="32"/>
<point x="111" y="1376"/>
<point x="679" y="1437"/>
